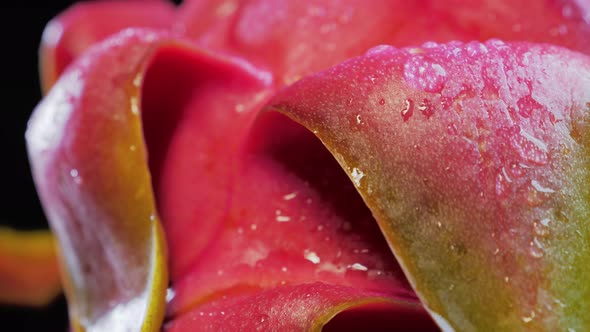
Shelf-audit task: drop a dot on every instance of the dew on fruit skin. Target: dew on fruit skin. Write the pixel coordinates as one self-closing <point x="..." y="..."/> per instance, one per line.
<point x="536" y="249"/>
<point x="134" y="104"/>
<point x="533" y="149"/>
<point x="170" y="294"/>
<point x="358" y="267"/>
<point x="290" y="196"/>
<point x="541" y="188"/>
<point x="426" y="108"/>
<point x="239" y="108"/>
<point x="281" y="218"/>
<point x="372" y="274"/>
<point x="528" y="319"/>
<point x="358" y="119"/>
<point x="379" y="49"/>
<point x="382" y="101"/>
<point x="425" y="74"/>
<point x="538" y="243"/>
<point x="540" y="228"/>
<point x="357" y="175"/>
<point x="311" y="256"/>
<point x="263" y="318"/>
<point x="501" y="184"/>
<point x="545" y="222"/>
<point x="407" y="109"/>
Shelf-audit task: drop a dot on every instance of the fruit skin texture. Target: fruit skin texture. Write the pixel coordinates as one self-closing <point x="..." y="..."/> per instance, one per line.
<point x="474" y="160"/>
<point x="487" y="235"/>
<point x="89" y="164"/>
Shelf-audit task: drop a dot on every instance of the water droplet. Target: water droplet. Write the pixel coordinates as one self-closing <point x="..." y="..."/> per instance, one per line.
<point x="358" y="267"/>
<point x="134" y="101"/>
<point x="528" y="319"/>
<point x="426" y="108"/>
<point x="137" y="80"/>
<point x="170" y="294"/>
<point x="281" y="218"/>
<point x="535" y="250"/>
<point x="240" y="108"/>
<point x="430" y="44"/>
<point x="531" y="148"/>
<point x="407" y="110"/>
<point x="379" y="49"/>
<point x="381" y="101"/>
<point x="311" y="256"/>
<point x="263" y="318"/>
<point x="375" y="273"/>
<point x="358" y="119"/>
<point x="502" y="184"/>
<point x="541" y="229"/>
<point x="424" y="74"/>
<point x="540" y="188"/>
<point x="290" y="196"/>
<point x="357" y="175"/>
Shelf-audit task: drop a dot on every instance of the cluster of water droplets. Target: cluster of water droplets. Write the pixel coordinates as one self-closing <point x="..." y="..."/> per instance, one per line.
<point x="425" y="74"/>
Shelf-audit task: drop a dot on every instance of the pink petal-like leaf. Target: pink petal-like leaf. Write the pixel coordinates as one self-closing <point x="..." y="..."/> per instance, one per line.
<point x="71" y="33"/>
<point x="474" y="160"/>
<point x="90" y="167"/>
<point x="296" y="38"/>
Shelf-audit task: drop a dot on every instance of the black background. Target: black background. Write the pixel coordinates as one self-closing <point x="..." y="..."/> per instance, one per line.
<point x="21" y="29"/>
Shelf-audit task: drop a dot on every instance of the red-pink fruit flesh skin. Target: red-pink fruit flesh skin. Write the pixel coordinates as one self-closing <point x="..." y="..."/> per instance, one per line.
<point x="474" y="160"/>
